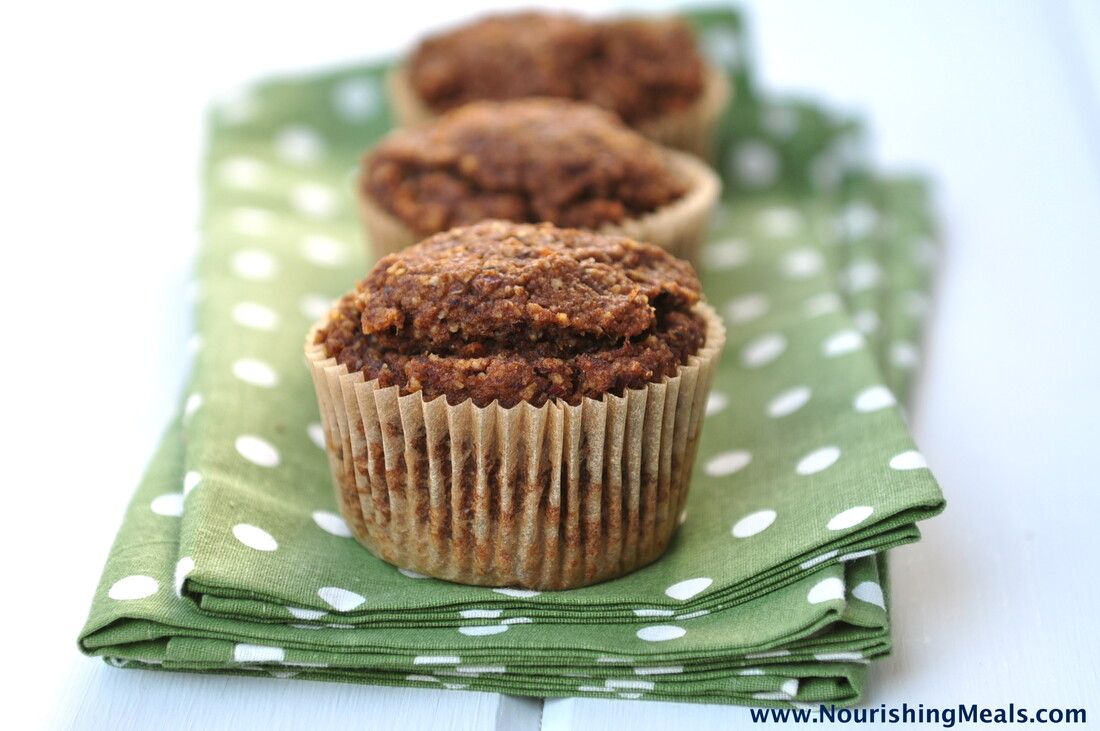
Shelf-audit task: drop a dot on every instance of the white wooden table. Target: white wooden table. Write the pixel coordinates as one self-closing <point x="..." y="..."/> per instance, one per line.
<point x="1000" y="101"/>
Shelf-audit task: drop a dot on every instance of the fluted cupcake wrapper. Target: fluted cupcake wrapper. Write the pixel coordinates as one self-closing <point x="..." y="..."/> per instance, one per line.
<point x="691" y="129"/>
<point x="548" y="497"/>
<point x="680" y="227"/>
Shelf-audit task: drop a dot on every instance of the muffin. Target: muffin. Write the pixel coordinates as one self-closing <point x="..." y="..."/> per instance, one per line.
<point x="530" y="161"/>
<point x="516" y="405"/>
<point x="648" y="71"/>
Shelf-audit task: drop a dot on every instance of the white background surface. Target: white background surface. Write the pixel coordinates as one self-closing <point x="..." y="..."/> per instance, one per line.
<point x="100" y="143"/>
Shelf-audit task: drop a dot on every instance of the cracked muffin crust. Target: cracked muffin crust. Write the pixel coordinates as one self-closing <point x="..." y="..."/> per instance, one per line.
<point x="638" y="68"/>
<point x="529" y="161"/>
<point x="512" y="312"/>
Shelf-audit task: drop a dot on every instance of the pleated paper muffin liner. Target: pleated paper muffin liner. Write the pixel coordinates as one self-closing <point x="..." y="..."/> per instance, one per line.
<point x="690" y="130"/>
<point x="693" y="129"/>
<point x="548" y="497"/>
<point x="680" y="227"/>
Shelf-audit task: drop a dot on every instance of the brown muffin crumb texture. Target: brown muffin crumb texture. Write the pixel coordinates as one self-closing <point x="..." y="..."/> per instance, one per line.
<point x="519" y="312"/>
<point x="639" y="68"/>
<point x="526" y="161"/>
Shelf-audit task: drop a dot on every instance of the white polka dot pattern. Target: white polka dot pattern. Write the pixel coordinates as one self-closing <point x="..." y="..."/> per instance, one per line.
<point x="184" y="567"/>
<point x="306" y="614"/>
<point x="134" y="587"/>
<point x="661" y="633"/>
<point x="256" y="316"/>
<point x="483" y="630"/>
<point x="842" y="343"/>
<point x="244" y="652"/>
<point x="726" y="254"/>
<point x="313" y="199"/>
<point x="191" y="480"/>
<point x="802" y="263"/>
<point x="255" y="537"/>
<point x="316" y="434"/>
<point x="255" y="372"/>
<point x="850" y="517"/>
<point x="256" y="450"/>
<point x="299" y="145"/>
<point x="324" y="250"/>
<point x="688" y="588"/>
<point x="911" y="460"/>
<point x="780" y="221"/>
<point x="517" y="593"/>
<point x="818" y="460"/>
<point x="763" y="350"/>
<point x="252" y="221"/>
<point x="870" y="592"/>
<point x="342" y="600"/>
<point x="243" y="172"/>
<point x="822" y="304"/>
<point x="716" y="402"/>
<point x="727" y="463"/>
<point x="789" y="402"/>
<point x="254" y="264"/>
<point x="746" y="308"/>
<point x="315" y="306"/>
<point x="331" y="523"/>
<point x="357" y="100"/>
<point x="753" y="523"/>
<point x="170" y="504"/>
<point x="826" y="590"/>
<point x="755" y="164"/>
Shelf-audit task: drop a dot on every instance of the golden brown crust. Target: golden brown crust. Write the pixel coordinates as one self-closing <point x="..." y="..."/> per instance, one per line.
<point x="639" y="68"/>
<point x="514" y="312"/>
<point x="530" y="160"/>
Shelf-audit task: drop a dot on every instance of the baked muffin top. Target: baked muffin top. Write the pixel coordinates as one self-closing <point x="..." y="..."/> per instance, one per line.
<point x="528" y="160"/>
<point x="511" y="312"/>
<point x="639" y="68"/>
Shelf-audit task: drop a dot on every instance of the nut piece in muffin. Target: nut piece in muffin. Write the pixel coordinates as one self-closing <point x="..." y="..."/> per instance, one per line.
<point x="509" y="313"/>
<point x="516" y="405"/>
<point x="647" y="70"/>
<point x="531" y="161"/>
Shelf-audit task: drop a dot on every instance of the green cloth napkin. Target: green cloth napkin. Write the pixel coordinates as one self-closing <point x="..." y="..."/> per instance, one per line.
<point x="232" y="557"/>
